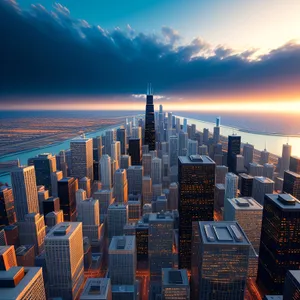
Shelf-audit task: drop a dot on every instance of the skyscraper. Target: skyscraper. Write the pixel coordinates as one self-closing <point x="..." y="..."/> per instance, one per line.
<point x="149" y="121"/>
<point x="160" y="243"/>
<point x="234" y="147"/>
<point x="25" y="191"/>
<point x="220" y="257"/>
<point x="246" y="184"/>
<point x="280" y="241"/>
<point x="285" y="159"/>
<point x="147" y="189"/>
<point x="55" y="177"/>
<point x="256" y="169"/>
<point x="105" y="198"/>
<point x="295" y="164"/>
<point x="183" y="143"/>
<point x="122" y="260"/>
<point x="7" y="206"/>
<point x="156" y="171"/>
<point x="97" y="289"/>
<point x="122" y="138"/>
<point x="196" y="176"/>
<point x="65" y="275"/>
<point x="261" y="186"/>
<point x="292" y="285"/>
<point x="134" y="151"/>
<point x="231" y="186"/>
<point x="269" y="171"/>
<point x="117" y="217"/>
<point x="44" y="165"/>
<point x="110" y="137"/>
<point x="192" y="147"/>
<point x="147" y="159"/>
<point x="291" y="184"/>
<point x="173" y="151"/>
<point x="105" y="172"/>
<point x="248" y="152"/>
<point x="125" y="162"/>
<point x="216" y="133"/>
<point x="135" y="179"/>
<point x="82" y="157"/>
<point x="97" y="148"/>
<point x="121" y="186"/>
<point x="67" y="188"/>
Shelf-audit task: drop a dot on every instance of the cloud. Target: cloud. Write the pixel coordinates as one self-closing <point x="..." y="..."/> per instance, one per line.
<point x="50" y="52"/>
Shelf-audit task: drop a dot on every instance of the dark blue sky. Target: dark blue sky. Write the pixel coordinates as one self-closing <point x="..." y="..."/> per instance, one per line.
<point x="59" y="49"/>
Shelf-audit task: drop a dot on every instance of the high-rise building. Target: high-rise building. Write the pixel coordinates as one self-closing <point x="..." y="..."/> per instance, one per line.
<point x="97" y="148"/>
<point x="292" y="285"/>
<point x="25" y="191"/>
<point x="125" y="162"/>
<point x="85" y="184"/>
<point x="122" y="138"/>
<point x="291" y="184"/>
<point x="248" y="152"/>
<point x="149" y="121"/>
<point x="51" y="204"/>
<point x="183" y="143"/>
<point x="55" y="177"/>
<point x="122" y="260"/>
<point x="105" y="172"/>
<point x="295" y="164"/>
<point x="175" y="284"/>
<point x="205" y="135"/>
<point x="248" y="213"/>
<point x="116" y="153"/>
<point x="110" y="137"/>
<point x="196" y="190"/>
<point x="184" y="125"/>
<point x="32" y="231"/>
<point x="261" y="186"/>
<point x="7" y="206"/>
<point x="105" y="198"/>
<point x="160" y="243"/>
<point x="246" y="184"/>
<point x="216" y="134"/>
<point x="231" y="186"/>
<point x="268" y="171"/>
<point x="19" y="283"/>
<point x="53" y="218"/>
<point x="256" y="169"/>
<point x="285" y="159"/>
<point x="203" y="150"/>
<point x="264" y="157"/>
<point x="280" y="241"/>
<point x="44" y="165"/>
<point x="7" y="258"/>
<point x="173" y="196"/>
<point x="146" y="162"/>
<point x="192" y="147"/>
<point x="234" y="147"/>
<point x="67" y="188"/>
<point x="64" y="260"/>
<point x="97" y="289"/>
<point x="239" y="163"/>
<point x="134" y="151"/>
<point x="165" y="170"/>
<point x="82" y="157"/>
<point x="147" y="189"/>
<point x="121" y="186"/>
<point x="219" y="196"/>
<point x="156" y="171"/>
<point x="117" y="217"/>
<point x="220" y="257"/>
<point x="135" y="179"/>
<point x="221" y="172"/>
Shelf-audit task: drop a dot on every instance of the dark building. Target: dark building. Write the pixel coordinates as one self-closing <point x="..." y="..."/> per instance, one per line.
<point x="149" y="138"/>
<point x="44" y="165"/>
<point x="291" y="184"/>
<point x="141" y="233"/>
<point x="97" y="148"/>
<point x="96" y="170"/>
<point x="121" y="137"/>
<point x="246" y="184"/>
<point x="280" y="241"/>
<point x="292" y="285"/>
<point x="66" y="190"/>
<point x="234" y="148"/>
<point x="25" y="255"/>
<point x="51" y="204"/>
<point x="134" y="151"/>
<point x="7" y="206"/>
<point x="196" y="176"/>
<point x="12" y="235"/>
<point x="295" y="164"/>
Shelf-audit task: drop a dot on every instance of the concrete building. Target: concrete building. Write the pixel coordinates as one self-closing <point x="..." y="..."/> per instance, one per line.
<point x="231" y="186"/>
<point x="291" y="184"/>
<point x="97" y="289"/>
<point x="192" y="147"/>
<point x="65" y="275"/>
<point x="85" y="184"/>
<point x="105" y="198"/>
<point x="117" y="217"/>
<point x="262" y="186"/>
<point x="173" y="196"/>
<point x="147" y="189"/>
<point x="248" y="152"/>
<point x="248" y="213"/>
<point x="105" y="172"/>
<point x="125" y="162"/>
<point x="256" y="169"/>
<point x="246" y="184"/>
<point x="268" y="171"/>
<point x="175" y="284"/>
<point x="121" y="186"/>
<point x="82" y="157"/>
<point x="135" y="179"/>
<point x="264" y="157"/>
<point x="55" y="177"/>
<point x="122" y="260"/>
<point x="182" y="143"/>
<point x="7" y="206"/>
<point x="146" y="162"/>
<point x="216" y="246"/>
<point x="285" y="159"/>
<point x="7" y="258"/>
<point x="25" y="191"/>
<point x="221" y="172"/>
<point x="122" y="138"/>
<point x="156" y="171"/>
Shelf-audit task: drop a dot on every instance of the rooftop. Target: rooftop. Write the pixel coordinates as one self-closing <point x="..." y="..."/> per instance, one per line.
<point x="80" y="140"/>
<point x="246" y="176"/>
<point x="245" y="203"/>
<point x="220" y="186"/>
<point x="95" y="288"/>
<point x="195" y="159"/>
<point x="162" y="216"/>
<point x="293" y="174"/>
<point x="126" y="242"/>
<point x="222" y="233"/>
<point x="296" y="275"/>
<point x="123" y="288"/>
<point x="263" y="179"/>
<point x="62" y="230"/>
<point x="285" y="201"/>
<point x="175" y="277"/>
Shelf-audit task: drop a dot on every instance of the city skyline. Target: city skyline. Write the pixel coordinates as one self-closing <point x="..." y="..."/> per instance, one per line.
<point x="181" y="64"/>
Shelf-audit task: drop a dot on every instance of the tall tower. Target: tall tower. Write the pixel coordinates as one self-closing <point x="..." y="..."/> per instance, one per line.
<point x="105" y="171"/>
<point x="234" y="148"/>
<point x="25" y="192"/>
<point x="149" y="121"/>
<point x="196" y="177"/>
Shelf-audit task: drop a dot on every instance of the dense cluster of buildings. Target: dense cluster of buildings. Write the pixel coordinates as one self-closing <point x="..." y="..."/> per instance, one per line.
<point x="154" y="209"/>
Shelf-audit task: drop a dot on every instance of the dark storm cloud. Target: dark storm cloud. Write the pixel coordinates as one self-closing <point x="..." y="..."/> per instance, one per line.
<point x="49" y="52"/>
